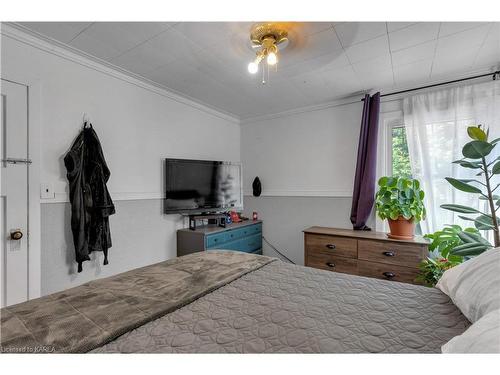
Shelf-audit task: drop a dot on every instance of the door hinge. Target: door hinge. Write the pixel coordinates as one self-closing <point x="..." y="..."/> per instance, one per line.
<point x="16" y="161"/>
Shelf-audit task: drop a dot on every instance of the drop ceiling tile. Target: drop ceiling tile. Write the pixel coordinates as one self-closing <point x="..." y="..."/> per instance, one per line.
<point x="394" y="26"/>
<point x="176" y="74"/>
<point x="310" y="86"/>
<point x="383" y="79"/>
<point x="489" y="53"/>
<point x="321" y="43"/>
<point x="448" y="28"/>
<point x="146" y="57"/>
<point x="368" y="50"/>
<point x="61" y="31"/>
<point x="409" y="55"/>
<point x="336" y="59"/>
<point x="463" y="40"/>
<point x="210" y="34"/>
<point x="381" y="63"/>
<point x="414" y="72"/>
<point x="95" y="47"/>
<point x="272" y="90"/>
<point x="141" y="59"/>
<point x="309" y="28"/>
<point x="488" y="58"/>
<point x="158" y="51"/>
<point x="461" y="61"/>
<point x="194" y="84"/>
<point x="413" y="35"/>
<point x="355" y="32"/>
<point x="124" y="35"/>
<point x="342" y="82"/>
<point x="208" y="62"/>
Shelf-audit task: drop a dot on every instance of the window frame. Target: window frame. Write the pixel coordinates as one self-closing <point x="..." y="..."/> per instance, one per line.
<point x="387" y="121"/>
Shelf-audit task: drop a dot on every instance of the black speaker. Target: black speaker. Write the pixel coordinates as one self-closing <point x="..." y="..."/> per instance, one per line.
<point x="257" y="187"/>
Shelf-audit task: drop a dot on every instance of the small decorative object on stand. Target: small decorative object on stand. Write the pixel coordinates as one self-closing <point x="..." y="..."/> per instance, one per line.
<point x="255" y="216"/>
<point x="257" y="187"/>
<point x="235" y="218"/>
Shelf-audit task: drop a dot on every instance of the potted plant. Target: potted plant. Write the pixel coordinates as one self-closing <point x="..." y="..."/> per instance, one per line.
<point x="442" y="253"/>
<point x="400" y="201"/>
<point x="478" y="156"/>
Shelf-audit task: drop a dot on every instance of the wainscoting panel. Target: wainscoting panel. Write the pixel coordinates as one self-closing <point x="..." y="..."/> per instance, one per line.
<point x="286" y="217"/>
<point x="141" y="235"/>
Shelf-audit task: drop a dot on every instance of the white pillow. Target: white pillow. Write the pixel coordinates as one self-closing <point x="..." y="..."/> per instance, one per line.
<point x="474" y="286"/>
<point x="481" y="337"/>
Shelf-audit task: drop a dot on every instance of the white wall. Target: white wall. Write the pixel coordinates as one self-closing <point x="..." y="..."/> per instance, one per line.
<point x="307" y="154"/>
<point x="138" y="127"/>
<point x="306" y="163"/>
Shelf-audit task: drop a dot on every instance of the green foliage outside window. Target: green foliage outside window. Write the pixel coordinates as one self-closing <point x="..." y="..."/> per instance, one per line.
<point x="400" y="155"/>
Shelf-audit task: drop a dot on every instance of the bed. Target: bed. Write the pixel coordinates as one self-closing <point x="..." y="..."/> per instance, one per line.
<point x="230" y="302"/>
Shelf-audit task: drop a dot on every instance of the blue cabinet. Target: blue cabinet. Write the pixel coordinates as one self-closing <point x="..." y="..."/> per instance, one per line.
<point x="245" y="236"/>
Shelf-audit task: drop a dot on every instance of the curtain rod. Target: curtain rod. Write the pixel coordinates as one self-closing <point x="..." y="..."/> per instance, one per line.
<point x="493" y="75"/>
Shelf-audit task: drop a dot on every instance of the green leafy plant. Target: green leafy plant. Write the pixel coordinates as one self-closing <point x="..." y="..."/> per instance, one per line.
<point x="399" y="196"/>
<point x="476" y="154"/>
<point x="441" y="256"/>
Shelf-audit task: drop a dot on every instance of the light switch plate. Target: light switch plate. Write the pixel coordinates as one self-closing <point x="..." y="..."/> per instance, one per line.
<point x="46" y="191"/>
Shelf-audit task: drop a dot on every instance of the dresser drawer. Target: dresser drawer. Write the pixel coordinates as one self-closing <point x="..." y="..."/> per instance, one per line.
<point x="317" y="244"/>
<point x="333" y="263"/>
<point x="407" y="255"/>
<point x="387" y="271"/>
<point x="248" y="244"/>
<point x="214" y="240"/>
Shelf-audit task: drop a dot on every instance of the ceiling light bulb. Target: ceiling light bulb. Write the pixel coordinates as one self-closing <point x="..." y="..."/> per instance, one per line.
<point x="253" y="67"/>
<point x="272" y="58"/>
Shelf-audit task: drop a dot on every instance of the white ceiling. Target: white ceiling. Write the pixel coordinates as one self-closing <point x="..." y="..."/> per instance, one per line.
<point x="324" y="61"/>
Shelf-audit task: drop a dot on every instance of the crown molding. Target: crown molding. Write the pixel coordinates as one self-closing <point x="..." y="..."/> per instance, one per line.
<point x="24" y="35"/>
<point x="296" y="111"/>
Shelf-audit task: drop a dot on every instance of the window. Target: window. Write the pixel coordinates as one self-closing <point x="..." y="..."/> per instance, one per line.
<point x="393" y="157"/>
<point x="400" y="158"/>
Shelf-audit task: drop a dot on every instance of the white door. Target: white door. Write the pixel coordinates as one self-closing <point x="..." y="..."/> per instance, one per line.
<point x="14" y="193"/>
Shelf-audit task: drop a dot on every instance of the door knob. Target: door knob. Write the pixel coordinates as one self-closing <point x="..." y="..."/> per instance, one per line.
<point x="16" y="234"/>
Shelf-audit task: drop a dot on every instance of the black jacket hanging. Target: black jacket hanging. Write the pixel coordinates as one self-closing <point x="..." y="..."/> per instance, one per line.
<point x="91" y="204"/>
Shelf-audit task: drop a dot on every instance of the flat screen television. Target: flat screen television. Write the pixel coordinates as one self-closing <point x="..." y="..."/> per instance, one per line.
<point x="199" y="186"/>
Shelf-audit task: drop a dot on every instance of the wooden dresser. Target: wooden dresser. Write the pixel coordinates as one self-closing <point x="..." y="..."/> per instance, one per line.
<point x="245" y="236"/>
<point x="364" y="253"/>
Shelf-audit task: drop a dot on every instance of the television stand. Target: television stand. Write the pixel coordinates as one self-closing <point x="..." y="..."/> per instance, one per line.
<point x="219" y="219"/>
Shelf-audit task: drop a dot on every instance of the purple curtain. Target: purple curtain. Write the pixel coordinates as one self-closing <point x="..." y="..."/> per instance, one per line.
<point x="364" y="182"/>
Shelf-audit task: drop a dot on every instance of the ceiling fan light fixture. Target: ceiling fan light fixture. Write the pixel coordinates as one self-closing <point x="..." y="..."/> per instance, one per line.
<point x="253" y="67"/>
<point x="272" y="58"/>
<point x="267" y="36"/>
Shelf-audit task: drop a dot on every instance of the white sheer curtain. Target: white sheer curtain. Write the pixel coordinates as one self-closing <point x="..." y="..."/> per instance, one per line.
<point x="436" y="124"/>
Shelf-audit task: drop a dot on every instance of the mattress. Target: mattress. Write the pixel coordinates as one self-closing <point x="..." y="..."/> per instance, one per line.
<point x="284" y="308"/>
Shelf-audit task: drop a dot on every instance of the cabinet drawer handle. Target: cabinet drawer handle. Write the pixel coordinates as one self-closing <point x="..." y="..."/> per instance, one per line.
<point x="389" y="253"/>
<point x="330" y="246"/>
<point x="330" y="264"/>
<point x="389" y="275"/>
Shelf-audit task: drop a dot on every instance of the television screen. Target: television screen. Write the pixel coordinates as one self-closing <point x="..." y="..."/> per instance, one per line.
<point x="193" y="186"/>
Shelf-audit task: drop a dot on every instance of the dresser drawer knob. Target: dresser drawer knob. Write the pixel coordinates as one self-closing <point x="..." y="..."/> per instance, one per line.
<point x="330" y="264"/>
<point x="330" y="246"/>
<point x="389" y="253"/>
<point x="389" y="275"/>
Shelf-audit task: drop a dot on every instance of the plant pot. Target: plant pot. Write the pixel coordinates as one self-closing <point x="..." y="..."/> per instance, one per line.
<point x="401" y="229"/>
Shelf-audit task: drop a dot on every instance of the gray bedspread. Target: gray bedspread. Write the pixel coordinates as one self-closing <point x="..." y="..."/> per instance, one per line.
<point x="294" y="309"/>
<point x="90" y="315"/>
